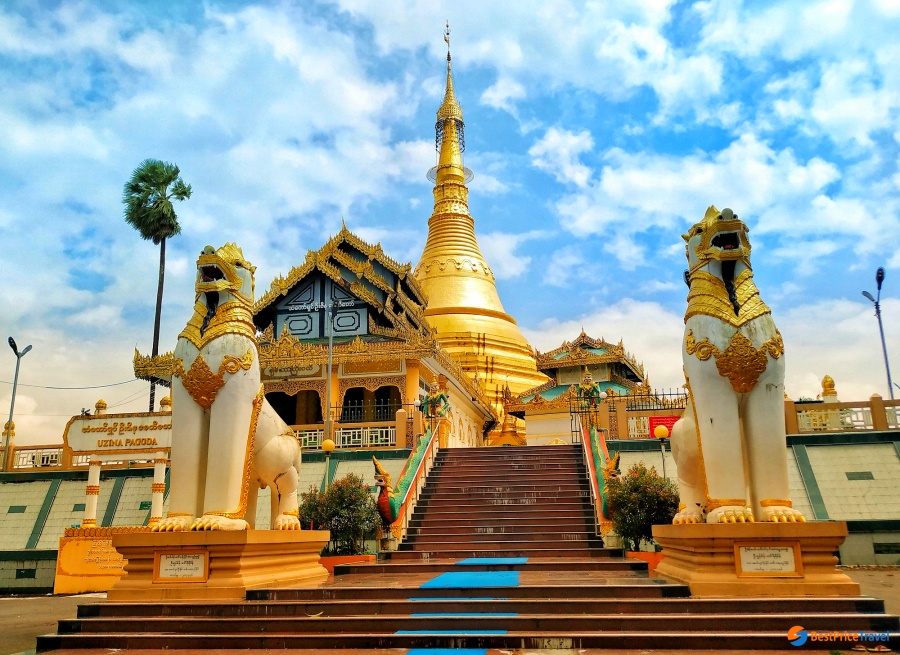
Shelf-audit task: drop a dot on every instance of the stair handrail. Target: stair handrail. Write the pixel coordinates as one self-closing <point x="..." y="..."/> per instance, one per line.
<point x="411" y="497"/>
<point x="587" y="451"/>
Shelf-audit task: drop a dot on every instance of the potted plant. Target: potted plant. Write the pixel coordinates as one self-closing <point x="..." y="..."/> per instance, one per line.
<point x="639" y="499"/>
<point x="347" y="509"/>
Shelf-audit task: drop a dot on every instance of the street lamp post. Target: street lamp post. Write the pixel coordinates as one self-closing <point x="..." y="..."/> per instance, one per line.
<point x="327" y="446"/>
<point x="329" y="318"/>
<point x="661" y="432"/>
<point x="879" y="278"/>
<point x="12" y="403"/>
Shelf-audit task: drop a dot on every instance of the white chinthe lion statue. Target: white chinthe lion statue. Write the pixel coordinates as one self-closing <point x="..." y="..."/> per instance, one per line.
<point x="227" y="441"/>
<point x="730" y="445"/>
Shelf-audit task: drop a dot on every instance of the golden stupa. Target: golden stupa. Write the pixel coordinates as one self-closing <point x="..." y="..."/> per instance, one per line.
<point x="463" y="304"/>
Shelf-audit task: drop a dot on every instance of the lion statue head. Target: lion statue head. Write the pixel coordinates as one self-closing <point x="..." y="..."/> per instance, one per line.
<point x="721" y="236"/>
<point x="225" y="272"/>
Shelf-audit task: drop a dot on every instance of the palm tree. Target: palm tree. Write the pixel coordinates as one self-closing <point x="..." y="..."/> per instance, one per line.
<point x="148" y="209"/>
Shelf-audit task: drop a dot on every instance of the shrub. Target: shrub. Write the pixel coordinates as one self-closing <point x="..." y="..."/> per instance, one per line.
<point x="346" y="509"/>
<point x="638" y="500"/>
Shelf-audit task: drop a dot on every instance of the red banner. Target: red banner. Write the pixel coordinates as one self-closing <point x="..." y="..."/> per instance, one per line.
<point x="668" y="421"/>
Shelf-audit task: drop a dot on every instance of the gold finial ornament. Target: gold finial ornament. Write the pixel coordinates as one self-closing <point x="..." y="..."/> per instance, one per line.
<point x="828" y="388"/>
<point x="463" y="304"/>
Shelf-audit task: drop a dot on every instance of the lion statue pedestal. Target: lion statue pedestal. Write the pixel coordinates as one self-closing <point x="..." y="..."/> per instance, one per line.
<point x="227" y="443"/>
<point x="736" y="531"/>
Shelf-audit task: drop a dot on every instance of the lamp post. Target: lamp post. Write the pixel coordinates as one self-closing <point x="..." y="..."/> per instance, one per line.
<point x="879" y="278"/>
<point x="12" y="403"/>
<point x="329" y="318"/>
<point x="661" y="432"/>
<point x="327" y="446"/>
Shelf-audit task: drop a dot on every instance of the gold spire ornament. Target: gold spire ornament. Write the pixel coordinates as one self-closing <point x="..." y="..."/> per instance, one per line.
<point x="463" y="304"/>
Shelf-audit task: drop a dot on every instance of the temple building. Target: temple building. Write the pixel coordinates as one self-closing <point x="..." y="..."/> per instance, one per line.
<point x="354" y="307"/>
<point x="546" y="408"/>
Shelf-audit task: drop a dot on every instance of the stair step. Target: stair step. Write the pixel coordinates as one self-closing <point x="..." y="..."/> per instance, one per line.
<point x="374" y="623"/>
<point x="742" y="640"/>
<point x="525" y="606"/>
<point x="613" y="588"/>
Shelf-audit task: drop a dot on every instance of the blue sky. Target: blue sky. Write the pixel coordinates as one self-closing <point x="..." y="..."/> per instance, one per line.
<point x="597" y="132"/>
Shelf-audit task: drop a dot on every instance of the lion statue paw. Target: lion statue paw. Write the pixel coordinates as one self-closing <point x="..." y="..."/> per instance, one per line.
<point x="730" y="514"/>
<point x="210" y="522"/>
<point x="287" y="522"/>
<point x="782" y="514"/>
<point x="174" y="524"/>
<point x="688" y="515"/>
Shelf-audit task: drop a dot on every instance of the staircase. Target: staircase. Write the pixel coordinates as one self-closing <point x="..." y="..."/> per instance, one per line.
<point x="504" y="502"/>
<point x="501" y="554"/>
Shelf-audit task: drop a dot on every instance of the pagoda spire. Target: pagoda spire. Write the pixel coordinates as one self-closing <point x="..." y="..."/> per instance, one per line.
<point x="463" y="304"/>
<point x="450" y="140"/>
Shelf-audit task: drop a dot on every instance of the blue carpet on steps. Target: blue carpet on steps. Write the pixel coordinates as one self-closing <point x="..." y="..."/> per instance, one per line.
<point x="482" y="561"/>
<point x="473" y="580"/>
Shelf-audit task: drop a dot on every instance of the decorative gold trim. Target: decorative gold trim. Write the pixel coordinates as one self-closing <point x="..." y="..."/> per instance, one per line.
<point x="92" y="490"/>
<point x="232" y="317"/>
<point x="575" y="353"/>
<point x="740" y="362"/>
<point x="704" y="479"/>
<point x="87" y="523"/>
<point x="715" y="503"/>
<point x="177" y="514"/>
<point x="776" y="502"/>
<point x="372" y="384"/>
<point x="292" y="512"/>
<point x="201" y="383"/>
<point x="241" y="509"/>
<point x="321" y="259"/>
<point x="709" y="297"/>
<point x="158" y="487"/>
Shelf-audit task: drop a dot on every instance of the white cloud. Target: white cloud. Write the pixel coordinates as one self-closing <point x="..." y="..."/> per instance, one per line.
<point x="557" y="153"/>
<point x="503" y="94"/>
<point x="642" y="191"/>
<point x="499" y="249"/>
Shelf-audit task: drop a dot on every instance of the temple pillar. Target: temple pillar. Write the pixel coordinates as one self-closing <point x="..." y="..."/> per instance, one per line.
<point x="91" y="495"/>
<point x="400" y="424"/>
<point x="158" y="489"/>
<point x="368" y="405"/>
<point x="879" y="415"/>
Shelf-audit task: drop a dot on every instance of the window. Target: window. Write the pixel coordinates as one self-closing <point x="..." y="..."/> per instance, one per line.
<point x="78" y="507"/>
<point x="860" y="475"/>
<point x="22" y="574"/>
<point x="887" y="548"/>
<point x="16" y="509"/>
<point x="146" y="504"/>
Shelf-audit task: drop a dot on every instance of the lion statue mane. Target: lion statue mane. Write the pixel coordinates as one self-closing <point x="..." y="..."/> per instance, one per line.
<point x="227" y="441"/>
<point x="730" y="445"/>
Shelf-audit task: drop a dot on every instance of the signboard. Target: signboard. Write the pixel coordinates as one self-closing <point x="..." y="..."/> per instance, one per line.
<point x="181" y="566"/>
<point x="120" y="434"/>
<point x="767" y="559"/>
<point x="668" y="421"/>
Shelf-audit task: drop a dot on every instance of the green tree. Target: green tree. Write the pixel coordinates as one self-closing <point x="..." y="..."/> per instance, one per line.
<point x="148" y="199"/>
<point x="347" y="509"/>
<point x="638" y="500"/>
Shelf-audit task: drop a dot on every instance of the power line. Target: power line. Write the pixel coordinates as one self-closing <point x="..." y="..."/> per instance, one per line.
<point x="96" y="386"/>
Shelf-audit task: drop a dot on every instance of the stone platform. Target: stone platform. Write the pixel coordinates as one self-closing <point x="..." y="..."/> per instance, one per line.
<point x="219" y="565"/>
<point x="755" y="559"/>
